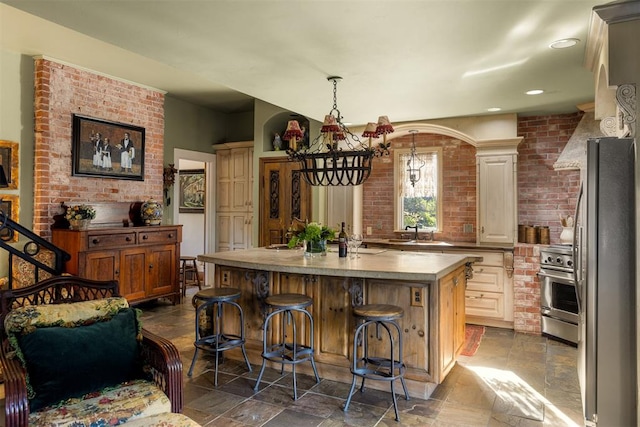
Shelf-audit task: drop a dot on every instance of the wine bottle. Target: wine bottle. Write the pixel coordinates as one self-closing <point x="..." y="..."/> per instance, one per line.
<point x="342" y="243"/>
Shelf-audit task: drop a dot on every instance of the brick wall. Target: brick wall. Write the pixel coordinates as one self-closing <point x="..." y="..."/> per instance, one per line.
<point x="459" y="188"/>
<point x="544" y="193"/>
<point x="62" y="90"/>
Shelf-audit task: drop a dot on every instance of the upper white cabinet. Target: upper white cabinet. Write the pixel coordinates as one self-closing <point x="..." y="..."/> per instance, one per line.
<point x="497" y="169"/>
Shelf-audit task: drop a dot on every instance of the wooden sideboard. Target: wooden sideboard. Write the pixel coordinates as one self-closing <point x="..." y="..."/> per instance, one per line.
<point x="144" y="260"/>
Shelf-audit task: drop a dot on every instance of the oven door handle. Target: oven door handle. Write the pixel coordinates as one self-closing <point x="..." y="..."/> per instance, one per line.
<point x="558" y="277"/>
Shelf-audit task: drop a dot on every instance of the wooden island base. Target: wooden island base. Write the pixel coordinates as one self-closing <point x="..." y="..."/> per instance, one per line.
<point x="429" y="287"/>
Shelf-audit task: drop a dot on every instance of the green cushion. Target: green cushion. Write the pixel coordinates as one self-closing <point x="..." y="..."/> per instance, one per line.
<point x="70" y="362"/>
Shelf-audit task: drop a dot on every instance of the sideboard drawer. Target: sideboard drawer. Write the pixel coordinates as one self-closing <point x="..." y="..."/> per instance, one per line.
<point x="111" y="240"/>
<point x="163" y="236"/>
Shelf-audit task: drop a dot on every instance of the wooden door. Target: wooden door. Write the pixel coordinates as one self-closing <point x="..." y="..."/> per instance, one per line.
<point x="284" y="196"/>
<point x="133" y="273"/>
<point x="162" y="270"/>
<point x="101" y="265"/>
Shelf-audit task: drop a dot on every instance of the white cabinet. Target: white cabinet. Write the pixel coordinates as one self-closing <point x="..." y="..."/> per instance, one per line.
<point x="497" y="192"/>
<point x="233" y="231"/>
<point x="234" y="196"/>
<point x="489" y="293"/>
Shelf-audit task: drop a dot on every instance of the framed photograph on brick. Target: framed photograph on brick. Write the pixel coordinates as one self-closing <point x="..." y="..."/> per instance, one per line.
<point x="192" y="190"/>
<point x="107" y="149"/>
<point x="9" y="152"/>
<point x="10" y="205"/>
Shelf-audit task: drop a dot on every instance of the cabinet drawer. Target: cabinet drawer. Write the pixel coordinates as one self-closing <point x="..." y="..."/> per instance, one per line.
<point x="111" y="240"/>
<point x="491" y="258"/>
<point x="484" y="304"/>
<point x="486" y="278"/>
<point x="163" y="236"/>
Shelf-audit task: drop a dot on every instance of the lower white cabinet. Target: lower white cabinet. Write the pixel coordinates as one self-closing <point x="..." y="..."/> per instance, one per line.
<point x="489" y="293"/>
<point x="233" y="231"/>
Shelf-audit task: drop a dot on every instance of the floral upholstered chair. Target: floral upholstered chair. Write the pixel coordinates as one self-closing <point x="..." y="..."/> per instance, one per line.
<point x="75" y="354"/>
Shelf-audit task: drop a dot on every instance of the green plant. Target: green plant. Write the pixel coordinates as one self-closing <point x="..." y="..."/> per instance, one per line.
<point x="80" y="212"/>
<point x="313" y="232"/>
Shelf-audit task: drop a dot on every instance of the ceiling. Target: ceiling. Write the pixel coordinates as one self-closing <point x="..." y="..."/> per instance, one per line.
<point x="409" y="60"/>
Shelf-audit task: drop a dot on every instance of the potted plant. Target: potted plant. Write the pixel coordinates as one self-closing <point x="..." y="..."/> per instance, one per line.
<point x="314" y="236"/>
<point x="80" y="216"/>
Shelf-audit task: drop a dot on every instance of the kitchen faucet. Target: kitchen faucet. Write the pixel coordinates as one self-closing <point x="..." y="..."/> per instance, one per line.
<point x="415" y="237"/>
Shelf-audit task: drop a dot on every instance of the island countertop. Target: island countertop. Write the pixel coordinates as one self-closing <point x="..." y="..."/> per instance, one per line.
<point x="373" y="263"/>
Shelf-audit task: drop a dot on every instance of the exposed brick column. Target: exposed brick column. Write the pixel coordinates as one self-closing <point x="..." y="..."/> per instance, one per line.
<point x="63" y="90"/>
<point x="526" y="289"/>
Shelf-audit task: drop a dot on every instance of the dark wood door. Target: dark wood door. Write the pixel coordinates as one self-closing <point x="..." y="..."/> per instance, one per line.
<point x="284" y="196"/>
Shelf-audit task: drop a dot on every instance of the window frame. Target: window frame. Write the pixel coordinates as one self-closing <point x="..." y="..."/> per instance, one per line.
<point x="398" y="189"/>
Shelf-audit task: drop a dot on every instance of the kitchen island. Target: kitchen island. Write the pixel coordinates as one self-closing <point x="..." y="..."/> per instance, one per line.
<point x="429" y="287"/>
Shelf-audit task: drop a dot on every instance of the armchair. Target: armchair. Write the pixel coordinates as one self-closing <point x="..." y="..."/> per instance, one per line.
<point x="159" y="357"/>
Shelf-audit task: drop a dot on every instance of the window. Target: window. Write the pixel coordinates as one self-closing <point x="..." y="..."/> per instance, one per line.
<point x="420" y="204"/>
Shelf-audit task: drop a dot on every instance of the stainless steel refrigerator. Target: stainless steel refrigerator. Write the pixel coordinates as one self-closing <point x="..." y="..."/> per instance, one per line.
<point x="605" y="274"/>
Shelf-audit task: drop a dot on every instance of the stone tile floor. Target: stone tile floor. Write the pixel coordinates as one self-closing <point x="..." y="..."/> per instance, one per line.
<point x="513" y="380"/>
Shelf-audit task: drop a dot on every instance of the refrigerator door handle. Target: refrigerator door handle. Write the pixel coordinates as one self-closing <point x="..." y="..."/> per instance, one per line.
<point x="577" y="249"/>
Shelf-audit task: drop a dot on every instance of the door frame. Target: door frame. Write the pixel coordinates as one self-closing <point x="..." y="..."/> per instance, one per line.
<point x="209" y="160"/>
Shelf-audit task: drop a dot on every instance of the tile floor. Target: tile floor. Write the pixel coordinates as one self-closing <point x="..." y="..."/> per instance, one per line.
<point x="512" y="380"/>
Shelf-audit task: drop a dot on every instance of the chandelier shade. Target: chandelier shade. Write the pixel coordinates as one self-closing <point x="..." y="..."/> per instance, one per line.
<point x="337" y="156"/>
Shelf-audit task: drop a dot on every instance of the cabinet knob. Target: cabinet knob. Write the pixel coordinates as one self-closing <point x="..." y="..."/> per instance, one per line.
<point x="455" y="281"/>
<point x="150" y="266"/>
<point x="128" y="238"/>
<point x="96" y="241"/>
<point x="117" y="272"/>
<point x="171" y="235"/>
<point x="421" y="333"/>
<point x="145" y="237"/>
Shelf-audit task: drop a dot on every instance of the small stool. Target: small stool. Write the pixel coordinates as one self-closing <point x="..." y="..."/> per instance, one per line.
<point x="212" y="300"/>
<point x="290" y="353"/>
<point x="188" y="265"/>
<point x="383" y="316"/>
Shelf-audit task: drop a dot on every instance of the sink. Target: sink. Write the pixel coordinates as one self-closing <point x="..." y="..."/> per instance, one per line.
<point x="401" y="241"/>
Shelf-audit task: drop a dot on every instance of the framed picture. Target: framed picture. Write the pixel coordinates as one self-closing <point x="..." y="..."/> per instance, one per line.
<point x="10" y="205"/>
<point x="10" y="162"/>
<point x="106" y="149"/>
<point x="192" y="190"/>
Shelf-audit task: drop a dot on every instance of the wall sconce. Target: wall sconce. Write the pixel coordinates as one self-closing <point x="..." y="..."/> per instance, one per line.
<point x="168" y="179"/>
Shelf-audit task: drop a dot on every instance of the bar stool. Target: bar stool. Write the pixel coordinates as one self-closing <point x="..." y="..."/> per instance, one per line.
<point x="383" y="317"/>
<point x="292" y="352"/>
<point x="210" y="303"/>
<point x="188" y="265"/>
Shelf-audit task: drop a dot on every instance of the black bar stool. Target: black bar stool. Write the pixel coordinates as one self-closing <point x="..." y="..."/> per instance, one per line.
<point x="188" y="265"/>
<point x="383" y="317"/>
<point x="292" y="352"/>
<point x="209" y="329"/>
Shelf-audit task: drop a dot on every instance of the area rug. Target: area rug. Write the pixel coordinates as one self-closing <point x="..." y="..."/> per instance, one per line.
<point x="472" y="336"/>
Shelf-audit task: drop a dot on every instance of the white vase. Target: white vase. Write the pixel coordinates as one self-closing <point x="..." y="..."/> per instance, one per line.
<point x="566" y="237"/>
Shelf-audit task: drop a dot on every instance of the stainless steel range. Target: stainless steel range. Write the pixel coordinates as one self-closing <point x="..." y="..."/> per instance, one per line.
<point x="558" y="297"/>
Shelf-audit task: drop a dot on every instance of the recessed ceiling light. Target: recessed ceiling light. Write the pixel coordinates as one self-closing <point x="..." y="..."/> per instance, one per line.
<point x="494" y="109"/>
<point x="534" y="92"/>
<point x="564" y="43"/>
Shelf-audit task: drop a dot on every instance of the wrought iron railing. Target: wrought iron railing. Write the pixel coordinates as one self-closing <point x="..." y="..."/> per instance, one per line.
<point x="34" y="245"/>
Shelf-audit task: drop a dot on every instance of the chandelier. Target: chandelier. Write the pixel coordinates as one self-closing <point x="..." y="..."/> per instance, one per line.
<point x="414" y="164"/>
<point x="336" y="156"/>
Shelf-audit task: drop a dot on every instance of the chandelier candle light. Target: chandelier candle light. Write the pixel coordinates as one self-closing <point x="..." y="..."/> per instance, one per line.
<point x="337" y="156"/>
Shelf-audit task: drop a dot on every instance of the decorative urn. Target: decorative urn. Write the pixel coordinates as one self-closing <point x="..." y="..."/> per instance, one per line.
<point x="151" y="212"/>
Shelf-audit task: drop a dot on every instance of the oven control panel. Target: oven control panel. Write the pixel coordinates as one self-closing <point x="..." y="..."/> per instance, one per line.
<point x="561" y="258"/>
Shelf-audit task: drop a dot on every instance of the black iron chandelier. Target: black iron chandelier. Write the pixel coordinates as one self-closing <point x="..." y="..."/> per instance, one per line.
<point x="336" y="156"/>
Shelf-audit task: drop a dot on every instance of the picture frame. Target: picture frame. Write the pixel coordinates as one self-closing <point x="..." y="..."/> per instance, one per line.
<point x="10" y="205"/>
<point x="192" y="190"/>
<point x="100" y="149"/>
<point x="10" y="161"/>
